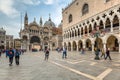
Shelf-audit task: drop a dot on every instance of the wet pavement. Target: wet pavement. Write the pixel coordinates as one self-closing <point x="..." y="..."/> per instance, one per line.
<point x="76" y="67"/>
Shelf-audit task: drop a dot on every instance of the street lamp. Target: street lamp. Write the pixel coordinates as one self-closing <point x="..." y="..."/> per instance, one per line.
<point x="96" y="34"/>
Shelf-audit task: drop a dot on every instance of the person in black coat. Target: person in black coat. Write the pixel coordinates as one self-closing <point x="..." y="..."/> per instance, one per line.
<point x="108" y="54"/>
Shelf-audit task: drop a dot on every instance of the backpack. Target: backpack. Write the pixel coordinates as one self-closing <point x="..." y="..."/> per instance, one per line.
<point x="47" y="52"/>
<point x="10" y="52"/>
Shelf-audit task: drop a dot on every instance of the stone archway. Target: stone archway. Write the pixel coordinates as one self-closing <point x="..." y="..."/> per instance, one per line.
<point x="88" y="45"/>
<point x="74" y="46"/>
<point x="112" y="43"/>
<point x="35" y="43"/>
<point x="98" y="43"/>
<point x="80" y="45"/>
<point x="69" y="46"/>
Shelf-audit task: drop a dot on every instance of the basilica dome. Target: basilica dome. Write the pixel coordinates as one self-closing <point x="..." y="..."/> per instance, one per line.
<point x="2" y="30"/>
<point x="49" y="23"/>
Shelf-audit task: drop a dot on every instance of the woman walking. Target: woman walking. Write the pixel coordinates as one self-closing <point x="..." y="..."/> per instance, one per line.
<point x="103" y="53"/>
<point x="46" y="54"/>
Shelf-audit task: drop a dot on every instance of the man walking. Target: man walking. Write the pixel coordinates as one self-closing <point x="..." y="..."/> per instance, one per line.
<point x="64" y="53"/>
<point x="17" y="56"/>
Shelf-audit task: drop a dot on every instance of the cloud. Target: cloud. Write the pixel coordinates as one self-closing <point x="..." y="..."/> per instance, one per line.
<point x="6" y="7"/>
<point x="31" y="2"/>
<point x="49" y="2"/>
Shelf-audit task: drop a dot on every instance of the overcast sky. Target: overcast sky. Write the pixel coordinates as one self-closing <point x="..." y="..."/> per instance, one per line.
<point x="10" y="12"/>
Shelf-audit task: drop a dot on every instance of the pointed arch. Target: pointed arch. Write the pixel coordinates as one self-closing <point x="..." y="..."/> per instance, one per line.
<point x="112" y="43"/>
<point x="74" y="46"/>
<point x="85" y="29"/>
<point x="69" y="46"/>
<point x="88" y="44"/>
<point x="107" y="23"/>
<point x="90" y="28"/>
<point x="101" y="25"/>
<point x="115" y="21"/>
<point x="81" y="30"/>
<point x="95" y="25"/>
<point x="80" y="45"/>
<point x="85" y="9"/>
<point x="70" y="18"/>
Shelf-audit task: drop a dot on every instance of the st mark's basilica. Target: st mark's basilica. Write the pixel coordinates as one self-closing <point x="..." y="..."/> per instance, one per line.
<point x="40" y="36"/>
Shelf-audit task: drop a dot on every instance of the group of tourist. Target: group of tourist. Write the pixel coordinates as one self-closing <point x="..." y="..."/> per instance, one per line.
<point x="11" y="54"/>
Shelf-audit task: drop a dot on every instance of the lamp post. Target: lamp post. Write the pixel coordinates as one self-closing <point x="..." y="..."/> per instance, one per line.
<point x="96" y="34"/>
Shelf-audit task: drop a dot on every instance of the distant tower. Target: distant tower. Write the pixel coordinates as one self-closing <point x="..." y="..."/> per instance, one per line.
<point x="41" y="21"/>
<point x="25" y="21"/>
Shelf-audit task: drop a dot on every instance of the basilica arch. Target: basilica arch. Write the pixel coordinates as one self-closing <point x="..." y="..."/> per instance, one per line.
<point x="35" y="43"/>
<point x="112" y="43"/>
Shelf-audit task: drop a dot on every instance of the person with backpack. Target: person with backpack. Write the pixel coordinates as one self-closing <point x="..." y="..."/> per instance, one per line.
<point x="46" y="54"/>
<point x="10" y="55"/>
<point x="17" y="56"/>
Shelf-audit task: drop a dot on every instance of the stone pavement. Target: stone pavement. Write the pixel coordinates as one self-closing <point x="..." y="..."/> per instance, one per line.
<point x="76" y="67"/>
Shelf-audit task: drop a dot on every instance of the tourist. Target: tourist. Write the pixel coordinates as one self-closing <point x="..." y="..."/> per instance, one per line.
<point x="17" y="56"/>
<point x="10" y="55"/>
<point x="108" y="54"/>
<point x="82" y="51"/>
<point x="46" y="54"/>
<point x="64" y="53"/>
<point x="103" y="53"/>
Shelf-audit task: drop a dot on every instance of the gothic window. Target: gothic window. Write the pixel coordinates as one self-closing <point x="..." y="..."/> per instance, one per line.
<point x="85" y="9"/>
<point x="70" y="18"/>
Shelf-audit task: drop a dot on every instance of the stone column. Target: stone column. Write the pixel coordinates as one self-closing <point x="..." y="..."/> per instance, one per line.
<point x="80" y="32"/>
<point x="88" y="31"/>
<point x="92" y="47"/>
<point x="83" y="31"/>
<point x="104" y="25"/>
<point x="119" y="23"/>
<point x="104" y="46"/>
<point x="111" y="26"/>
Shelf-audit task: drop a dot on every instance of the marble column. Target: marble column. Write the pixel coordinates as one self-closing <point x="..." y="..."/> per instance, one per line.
<point x="92" y="48"/>
<point x="111" y="26"/>
<point x="71" y="47"/>
<point x="104" y="46"/>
